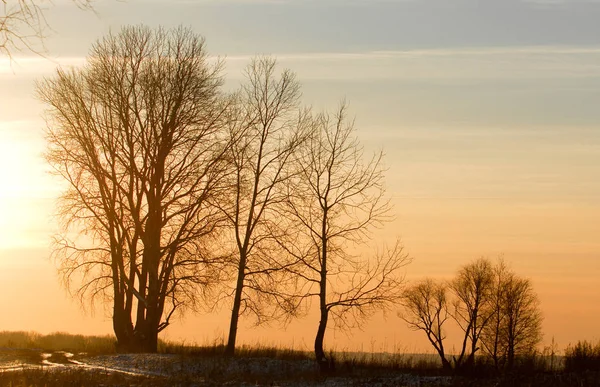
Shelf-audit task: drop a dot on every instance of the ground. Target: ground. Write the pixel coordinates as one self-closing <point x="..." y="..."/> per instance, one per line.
<point x="32" y="367"/>
<point x="36" y="367"/>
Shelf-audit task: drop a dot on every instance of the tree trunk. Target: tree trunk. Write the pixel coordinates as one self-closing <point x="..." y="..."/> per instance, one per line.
<point x="122" y="324"/>
<point x="146" y="338"/>
<point x="446" y="366"/>
<point x="510" y="358"/>
<point x="146" y="330"/>
<point x="324" y="364"/>
<point x="458" y="362"/>
<point x="235" y="310"/>
<point x="149" y="338"/>
<point x="445" y="363"/>
<point x="474" y="337"/>
<point x="123" y="328"/>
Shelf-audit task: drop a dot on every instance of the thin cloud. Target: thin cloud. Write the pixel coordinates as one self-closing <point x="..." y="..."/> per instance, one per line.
<point x="29" y="65"/>
<point x="494" y="63"/>
<point x="479" y="51"/>
<point x="535" y="62"/>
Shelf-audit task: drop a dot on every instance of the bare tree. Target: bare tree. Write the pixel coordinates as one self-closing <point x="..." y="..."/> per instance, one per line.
<point x="337" y="200"/>
<point x="493" y="306"/>
<point x="23" y="23"/>
<point x="137" y="135"/>
<point x="426" y="309"/>
<point x="472" y="288"/>
<point x="515" y="328"/>
<point x="523" y="319"/>
<point x="266" y="131"/>
<point x="491" y="338"/>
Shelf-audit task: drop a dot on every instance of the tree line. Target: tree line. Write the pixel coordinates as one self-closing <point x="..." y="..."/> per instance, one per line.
<point x="181" y="195"/>
<point x="496" y="310"/>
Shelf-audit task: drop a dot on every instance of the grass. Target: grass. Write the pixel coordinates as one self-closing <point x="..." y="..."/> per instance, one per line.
<point x="77" y="378"/>
<point x="580" y="365"/>
<point x="58" y="341"/>
<point x="242" y="351"/>
<point x="373" y="363"/>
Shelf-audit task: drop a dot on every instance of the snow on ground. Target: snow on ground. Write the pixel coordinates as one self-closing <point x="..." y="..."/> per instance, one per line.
<point x="282" y="372"/>
<point x="167" y="365"/>
<point x="204" y="371"/>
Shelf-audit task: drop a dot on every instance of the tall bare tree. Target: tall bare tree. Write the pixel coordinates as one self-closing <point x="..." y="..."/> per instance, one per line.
<point x="426" y="309"/>
<point x="137" y="135"/>
<point x="23" y="24"/>
<point x="267" y="128"/>
<point x="473" y="289"/>
<point x="338" y="199"/>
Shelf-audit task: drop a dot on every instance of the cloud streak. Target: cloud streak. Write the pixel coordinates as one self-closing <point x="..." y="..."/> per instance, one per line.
<point x="491" y="63"/>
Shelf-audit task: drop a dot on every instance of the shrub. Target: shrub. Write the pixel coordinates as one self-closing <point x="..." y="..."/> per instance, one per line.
<point x="582" y="356"/>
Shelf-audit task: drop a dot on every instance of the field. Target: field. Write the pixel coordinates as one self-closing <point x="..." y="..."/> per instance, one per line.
<point x="29" y="359"/>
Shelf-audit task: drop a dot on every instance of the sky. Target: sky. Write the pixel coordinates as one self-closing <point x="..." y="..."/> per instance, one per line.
<point x="488" y="112"/>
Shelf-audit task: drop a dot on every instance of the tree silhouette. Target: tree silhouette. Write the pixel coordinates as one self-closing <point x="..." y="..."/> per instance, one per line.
<point x="426" y="309"/>
<point x="137" y="136"/>
<point x="472" y="288"/>
<point x="515" y="326"/>
<point x="495" y="308"/>
<point x="338" y="199"/>
<point x="266" y="129"/>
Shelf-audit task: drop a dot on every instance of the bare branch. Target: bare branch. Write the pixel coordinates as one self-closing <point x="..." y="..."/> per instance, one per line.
<point x="337" y="200"/>
<point x="137" y="133"/>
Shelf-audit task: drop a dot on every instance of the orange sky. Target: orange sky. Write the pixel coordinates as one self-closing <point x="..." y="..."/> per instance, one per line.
<point x="550" y="238"/>
<point x="491" y="149"/>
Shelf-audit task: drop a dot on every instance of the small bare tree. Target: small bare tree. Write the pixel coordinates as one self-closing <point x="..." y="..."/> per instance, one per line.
<point x="522" y="328"/>
<point x="472" y="288"/>
<point x="492" y="305"/>
<point x="426" y="309"/>
<point x="23" y="23"/>
<point x="266" y="130"/>
<point x="515" y="324"/>
<point x="491" y="338"/>
<point x="337" y="200"/>
<point x="137" y="135"/>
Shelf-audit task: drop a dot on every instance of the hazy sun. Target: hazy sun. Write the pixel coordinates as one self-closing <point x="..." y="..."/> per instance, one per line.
<point x="26" y="190"/>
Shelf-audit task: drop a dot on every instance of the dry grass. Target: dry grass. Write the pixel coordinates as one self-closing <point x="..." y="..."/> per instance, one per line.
<point x="82" y="377"/>
<point x="58" y="341"/>
<point x="243" y="351"/>
<point x="581" y="365"/>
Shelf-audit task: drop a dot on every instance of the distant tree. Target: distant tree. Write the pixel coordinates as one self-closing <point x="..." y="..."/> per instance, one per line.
<point x="472" y="288"/>
<point x="521" y="328"/>
<point x="266" y="129"/>
<point x="493" y="343"/>
<point x="493" y="306"/>
<point x="515" y="323"/>
<point x="426" y="309"/>
<point x="338" y="199"/>
<point x="22" y="23"/>
<point x="523" y="319"/>
<point x="137" y="135"/>
<point x="581" y="357"/>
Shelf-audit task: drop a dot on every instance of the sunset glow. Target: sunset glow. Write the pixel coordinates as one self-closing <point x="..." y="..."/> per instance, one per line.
<point x="491" y="142"/>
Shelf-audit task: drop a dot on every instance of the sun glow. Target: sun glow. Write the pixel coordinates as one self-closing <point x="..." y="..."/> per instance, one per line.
<point x="26" y="190"/>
